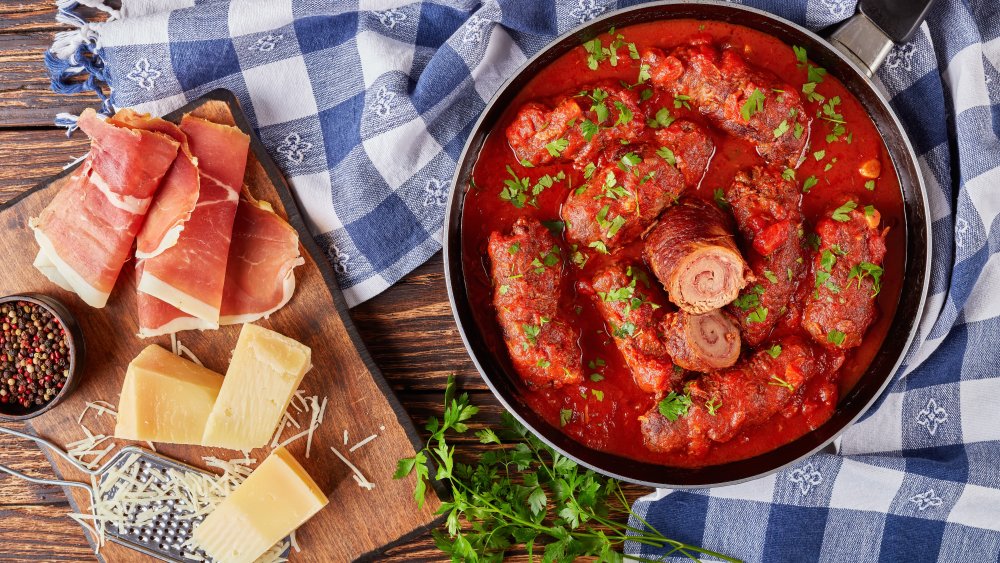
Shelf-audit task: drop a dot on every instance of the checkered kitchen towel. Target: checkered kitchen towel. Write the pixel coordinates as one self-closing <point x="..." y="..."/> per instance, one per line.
<point x="366" y="104"/>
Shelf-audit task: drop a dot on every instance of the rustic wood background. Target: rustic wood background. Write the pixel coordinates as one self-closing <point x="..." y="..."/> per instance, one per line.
<point x="409" y="328"/>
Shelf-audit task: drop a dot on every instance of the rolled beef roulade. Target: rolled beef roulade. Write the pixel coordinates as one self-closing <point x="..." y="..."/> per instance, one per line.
<point x="706" y="342"/>
<point x="693" y="253"/>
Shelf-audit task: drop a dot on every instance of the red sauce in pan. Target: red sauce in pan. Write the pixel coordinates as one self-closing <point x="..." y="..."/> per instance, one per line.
<point x="611" y="424"/>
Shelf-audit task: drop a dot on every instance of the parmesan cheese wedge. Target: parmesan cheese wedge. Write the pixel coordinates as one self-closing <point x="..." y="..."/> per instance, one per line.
<point x="165" y="398"/>
<point x="278" y="497"/>
<point x="266" y="370"/>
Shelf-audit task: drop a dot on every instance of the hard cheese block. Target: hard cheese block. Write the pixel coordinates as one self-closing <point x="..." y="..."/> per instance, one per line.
<point x="278" y="497"/>
<point x="264" y="374"/>
<point x="165" y="398"/>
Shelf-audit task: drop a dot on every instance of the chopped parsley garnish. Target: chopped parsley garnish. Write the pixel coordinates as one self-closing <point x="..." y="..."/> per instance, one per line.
<point x="526" y="163"/>
<point x="798" y="131"/>
<point x="596" y="363"/>
<point x="788" y="174"/>
<point x="809" y="183"/>
<point x="681" y="101"/>
<point x="663" y="119"/>
<point x="546" y="259"/>
<point x="841" y="213"/>
<point x="514" y="248"/>
<point x="503" y="289"/>
<point x="870" y="185"/>
<point x="531" y="333"/>
<point x="643" y="74"/>
<point x="812" y="239"/>
<point x="556" y="147"/>
<point x="624" y="114"/>
<point x="800" y="55"/>
<point x="611" y="227"/>
<point x="809" y="89"/>
<point x="819" y="155"/>
<point x="835" y="337"/>
<point x="596" y="377"/>
<point x="863" y="269"/>
<point x="869" y="210"/>
<point x="646" y="94"/>
<point x="827" y="260"/>
<point x="598" y="53"/>
<point x="758" y="315"/>
<point x="781" y="129"/>
<point x="713" y="405"/>
<point x="667" y="155"/>
<point x="599" y="395"/>
<point x="751" y="299"/>
<point x="599" y="246"/>
<point x="829" y="165"/>
<point x="628" y="161"/>
<point x="516" y="190"/>
<point x="543" y="363"/>
<point x="598" y="104"/>
<point x="775" y="380"/>
<point x="674" y="406"/>
<point x="774" y="351"/>
<point x="815" y="74"/>
<point x="627" y="329"/>
<point x="565" y="415"/>
<point x="754" y="104"/>
<point x="720" y="199"/>
<point x="770" y="276"/>
<point x="588" y="128"/>
<point x="588" y="170"/>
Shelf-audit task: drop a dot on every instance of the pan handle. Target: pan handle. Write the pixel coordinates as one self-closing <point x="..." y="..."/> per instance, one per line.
<point x="870" y="34"/>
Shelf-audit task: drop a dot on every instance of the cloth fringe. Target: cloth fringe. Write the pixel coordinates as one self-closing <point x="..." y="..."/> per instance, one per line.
<point x="74" y="55"/>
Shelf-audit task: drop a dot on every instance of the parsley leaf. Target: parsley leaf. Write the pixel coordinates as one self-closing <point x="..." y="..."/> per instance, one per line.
<point x="841" y="213"/>
<point x="667" y="155"/>
<point x="556" y="147"/>
<point x="809" y="183"/>
<point x="835" y="337"/>
<point x="781" y="129"/>
<point x="713" y="405"/>
<point x="870" y="185"/>
<point x="720" y="199"/>
<point x="754" y="104"/>
<point x="674" y="406"/>
<point x="663" y="118"/>
<point x="774" y="351"/>
<point x="519" y="493"/>
<point x="680" y="100"/>
<point x="775" y="380"/>
<point x="588" y="128"/>
<point x="758" y="315"/>
<point x="800" y="54"/>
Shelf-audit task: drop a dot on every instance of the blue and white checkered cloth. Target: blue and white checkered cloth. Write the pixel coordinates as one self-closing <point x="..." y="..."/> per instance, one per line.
<point x="366" y="105"/>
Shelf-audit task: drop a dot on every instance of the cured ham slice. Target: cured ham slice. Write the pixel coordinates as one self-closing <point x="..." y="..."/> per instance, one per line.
<point x="190" y="275"/>
<point x="259" y="274"/>
<point x="85" y="234"/>
<point x="178" y="194"/>
<point x="262" y="256"/>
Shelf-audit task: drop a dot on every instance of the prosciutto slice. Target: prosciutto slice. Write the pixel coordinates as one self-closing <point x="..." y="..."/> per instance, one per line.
<point x="86" y="232"/>
<point x="190" y="275"/>
<point x="178" y="194"/>
<point x="259" y="274"/>
<point x="264" y="252"/>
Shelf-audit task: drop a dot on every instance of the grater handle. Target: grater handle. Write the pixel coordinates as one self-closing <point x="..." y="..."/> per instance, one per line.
<point x="55" y="449"/>
<point x="40" y="481"/>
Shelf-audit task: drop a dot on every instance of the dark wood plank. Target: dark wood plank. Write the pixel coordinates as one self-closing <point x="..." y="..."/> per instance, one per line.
<point x="30" y="156"/>
<point x="26" y="99"/>
<point x="38" y="16"/>
<point x="23" y="455"/>
<point x="41" y="533"/>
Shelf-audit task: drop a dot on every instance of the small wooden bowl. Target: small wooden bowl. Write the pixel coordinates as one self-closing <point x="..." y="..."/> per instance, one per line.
<point x="74" y="341"/>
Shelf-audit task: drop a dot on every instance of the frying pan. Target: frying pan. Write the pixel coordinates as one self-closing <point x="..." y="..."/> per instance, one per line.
<point x="852" y="53"/>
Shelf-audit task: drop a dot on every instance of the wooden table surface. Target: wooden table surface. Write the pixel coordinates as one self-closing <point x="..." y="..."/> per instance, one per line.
<point x="409" y="329"/>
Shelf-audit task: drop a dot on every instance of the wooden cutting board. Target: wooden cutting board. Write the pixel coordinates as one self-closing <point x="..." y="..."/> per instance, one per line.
<point x="358" y="523"/>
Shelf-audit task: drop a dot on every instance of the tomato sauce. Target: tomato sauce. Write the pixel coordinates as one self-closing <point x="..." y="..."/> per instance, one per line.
<point x="605" y="413"/>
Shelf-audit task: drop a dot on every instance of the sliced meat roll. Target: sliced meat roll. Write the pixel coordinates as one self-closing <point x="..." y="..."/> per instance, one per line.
<point x="741" y="99"/>
<point x="706" y="342"/>
<point x="632" y="310"/>
<point x="527" y="266"/>
<point x="693" y="253"/>
<point x="767" y="212"/>
<point x="726" y="402"/>
<point x="847" y="275"/>
<point x="577" y="128"/>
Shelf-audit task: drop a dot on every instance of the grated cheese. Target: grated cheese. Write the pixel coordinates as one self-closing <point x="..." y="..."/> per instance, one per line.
<point x="345" y="437"/>
<point x="359" y="477"/>
<point x="173" y="344"/>
<point x="363" y="442"/>
<point x="100" y="406"/>
<point x="183" y="350"/>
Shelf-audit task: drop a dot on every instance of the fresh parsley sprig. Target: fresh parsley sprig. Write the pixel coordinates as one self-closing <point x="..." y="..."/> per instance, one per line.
<point x="525" y="493"/>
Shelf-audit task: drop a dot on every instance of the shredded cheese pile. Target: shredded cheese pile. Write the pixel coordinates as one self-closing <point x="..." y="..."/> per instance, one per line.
<point x="313" y="408"/>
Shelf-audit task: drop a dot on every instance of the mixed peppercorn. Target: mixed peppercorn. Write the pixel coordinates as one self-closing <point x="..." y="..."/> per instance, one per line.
<point x="34" y="355"/>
